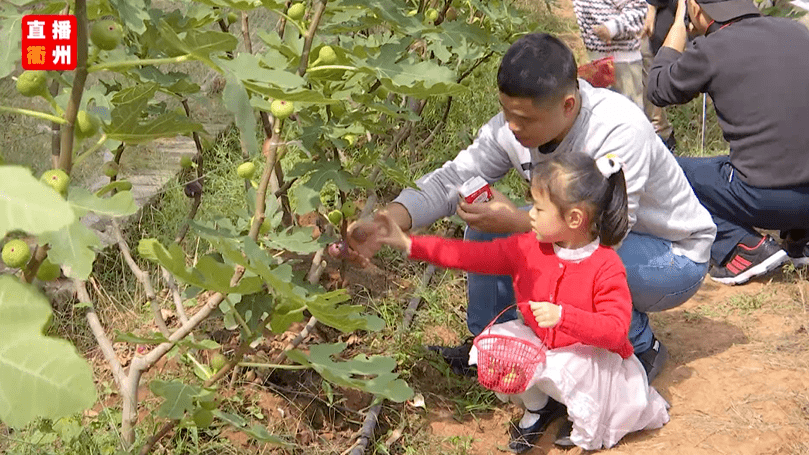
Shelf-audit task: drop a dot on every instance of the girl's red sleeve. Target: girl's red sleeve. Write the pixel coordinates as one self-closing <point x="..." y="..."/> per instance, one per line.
<point x="497" y="257"/>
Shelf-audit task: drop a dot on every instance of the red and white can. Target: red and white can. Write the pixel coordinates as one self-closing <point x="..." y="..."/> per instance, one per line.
<point x="476" y="189"/>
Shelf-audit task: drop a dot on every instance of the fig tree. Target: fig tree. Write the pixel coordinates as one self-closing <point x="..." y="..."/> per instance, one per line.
<point x="281" y="109"/>
<point x="106" y="34"/>
<point x="56" y="179"/>
<point x="32" y="83"/>
<point x="16" y="253"/>
<point x="296" y="11"/>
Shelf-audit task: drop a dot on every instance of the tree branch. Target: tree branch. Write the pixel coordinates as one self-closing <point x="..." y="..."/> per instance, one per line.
<point x="79" y="78"/>
<point x="143" y="277"/>
<point x="100" y="335"/>
<point x="320" y="6"/>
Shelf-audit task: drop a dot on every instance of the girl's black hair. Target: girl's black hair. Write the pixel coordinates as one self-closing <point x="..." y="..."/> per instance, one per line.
<point x="537" y="66"/>
<point x="570" y="179"/>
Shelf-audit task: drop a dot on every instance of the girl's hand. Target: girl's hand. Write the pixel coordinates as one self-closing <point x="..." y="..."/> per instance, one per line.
<point x="603" y="33"/>
<point x="389" y="233"/>
<point x="546" y="313"/>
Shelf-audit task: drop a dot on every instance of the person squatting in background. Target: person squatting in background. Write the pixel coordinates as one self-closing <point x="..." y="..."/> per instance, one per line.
<point x="756" y="70"/>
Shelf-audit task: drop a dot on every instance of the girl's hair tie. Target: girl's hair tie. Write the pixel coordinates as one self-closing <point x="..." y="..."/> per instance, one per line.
<point x="609" y="164"/>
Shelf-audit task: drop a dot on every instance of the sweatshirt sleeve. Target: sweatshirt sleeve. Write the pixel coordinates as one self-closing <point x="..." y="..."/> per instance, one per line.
<point x="437" y="193"/>
<point x="608" y="326"/>
<point x="496" y="257"/>
<point x="676" y="78"/>
<point x="629" y="23"/>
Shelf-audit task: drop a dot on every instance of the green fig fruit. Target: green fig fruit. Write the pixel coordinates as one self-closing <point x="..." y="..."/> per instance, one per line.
<point x="86" y="125"/>
<point x="246" y="170"/>
<point x="110" y="168"/>
<point x="232" y="17"/>
<point x="16" y="253"/>
<point x="48" y="271"/>
<point x="335" y="217"/>
<point x="326" y="55"/>
<point x="218" y="361"/>
<point x="349" y="209"/>
<point x="431" y="15"/>
<point x="56" y="179"/>
<point x="202" y="418"/>
<point x="281" y="109"/>
<point x="296" y="11"/>
<point x="32" y="83"/>
<point x="106" y="34"/>
<point x="186" y="162"/>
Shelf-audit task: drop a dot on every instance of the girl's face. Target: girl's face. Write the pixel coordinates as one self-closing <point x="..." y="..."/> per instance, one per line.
<point x="549" y="225"/>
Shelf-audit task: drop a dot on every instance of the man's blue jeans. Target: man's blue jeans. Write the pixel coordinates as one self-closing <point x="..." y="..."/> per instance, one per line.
<point x="738" y="208"/>
<point x="658" y="280"/>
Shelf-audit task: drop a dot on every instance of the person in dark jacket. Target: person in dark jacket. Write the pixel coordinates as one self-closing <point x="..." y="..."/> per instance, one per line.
<point x="756" y="71"/>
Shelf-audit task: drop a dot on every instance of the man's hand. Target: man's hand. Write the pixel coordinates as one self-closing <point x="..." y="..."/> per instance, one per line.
<point x="649" y="23"/>
<point x="498" y="215"/>
<point x="546" y="313"/>
<point x="603" y="33"/>
<point x="678" y="35"/>
<point x="389" y="233"/>
<point x="363" y="235"/>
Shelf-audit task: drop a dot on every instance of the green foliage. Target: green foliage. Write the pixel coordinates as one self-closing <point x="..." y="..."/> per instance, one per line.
<point x="40" y="376"/>
<point x="369" y="63"/>
<point x="372" y="374"/>
<point x="28" y="205"/>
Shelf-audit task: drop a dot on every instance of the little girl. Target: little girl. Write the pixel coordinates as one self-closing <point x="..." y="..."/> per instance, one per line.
<point x="572" y="294"/>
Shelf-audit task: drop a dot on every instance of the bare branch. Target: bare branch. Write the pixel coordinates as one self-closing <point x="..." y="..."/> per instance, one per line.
<point x="248" y="45"/>
<point x="143" y="277"/>
<point x="440" y="125"/>
<point x="101" y="336"/>
<point x="367" y="433"/>
<point x="175" y="295"/>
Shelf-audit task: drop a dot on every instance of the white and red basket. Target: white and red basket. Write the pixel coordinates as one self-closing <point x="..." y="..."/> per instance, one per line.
<point x="506" y="364"/>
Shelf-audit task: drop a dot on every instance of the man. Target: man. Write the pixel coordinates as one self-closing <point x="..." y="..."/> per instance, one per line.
<point x="756" y="70"/>
<point x="546" y="110"/>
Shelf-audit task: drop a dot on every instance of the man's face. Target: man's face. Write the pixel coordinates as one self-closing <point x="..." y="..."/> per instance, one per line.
<point x="699" y="24"/>
<point x="535" y="125"/>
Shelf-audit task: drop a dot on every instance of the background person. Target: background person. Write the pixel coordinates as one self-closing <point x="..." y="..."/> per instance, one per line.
<point x="756" y="70"/>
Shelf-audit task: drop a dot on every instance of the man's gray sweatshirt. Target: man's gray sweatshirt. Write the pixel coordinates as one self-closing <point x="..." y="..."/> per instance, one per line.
<point x="661" y="202"/>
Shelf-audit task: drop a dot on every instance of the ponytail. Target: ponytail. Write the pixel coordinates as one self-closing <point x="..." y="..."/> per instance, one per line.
<point x="614" y="222"/>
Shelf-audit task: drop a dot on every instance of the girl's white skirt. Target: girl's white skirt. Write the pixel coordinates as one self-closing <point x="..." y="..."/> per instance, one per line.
<point x="606" y="396"/>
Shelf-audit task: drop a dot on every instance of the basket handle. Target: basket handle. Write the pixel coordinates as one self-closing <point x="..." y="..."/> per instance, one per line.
<point x="491" y="323"/>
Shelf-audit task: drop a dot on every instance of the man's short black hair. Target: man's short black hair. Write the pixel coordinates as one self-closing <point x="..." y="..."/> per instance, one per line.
<point x="538" y="66"/>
